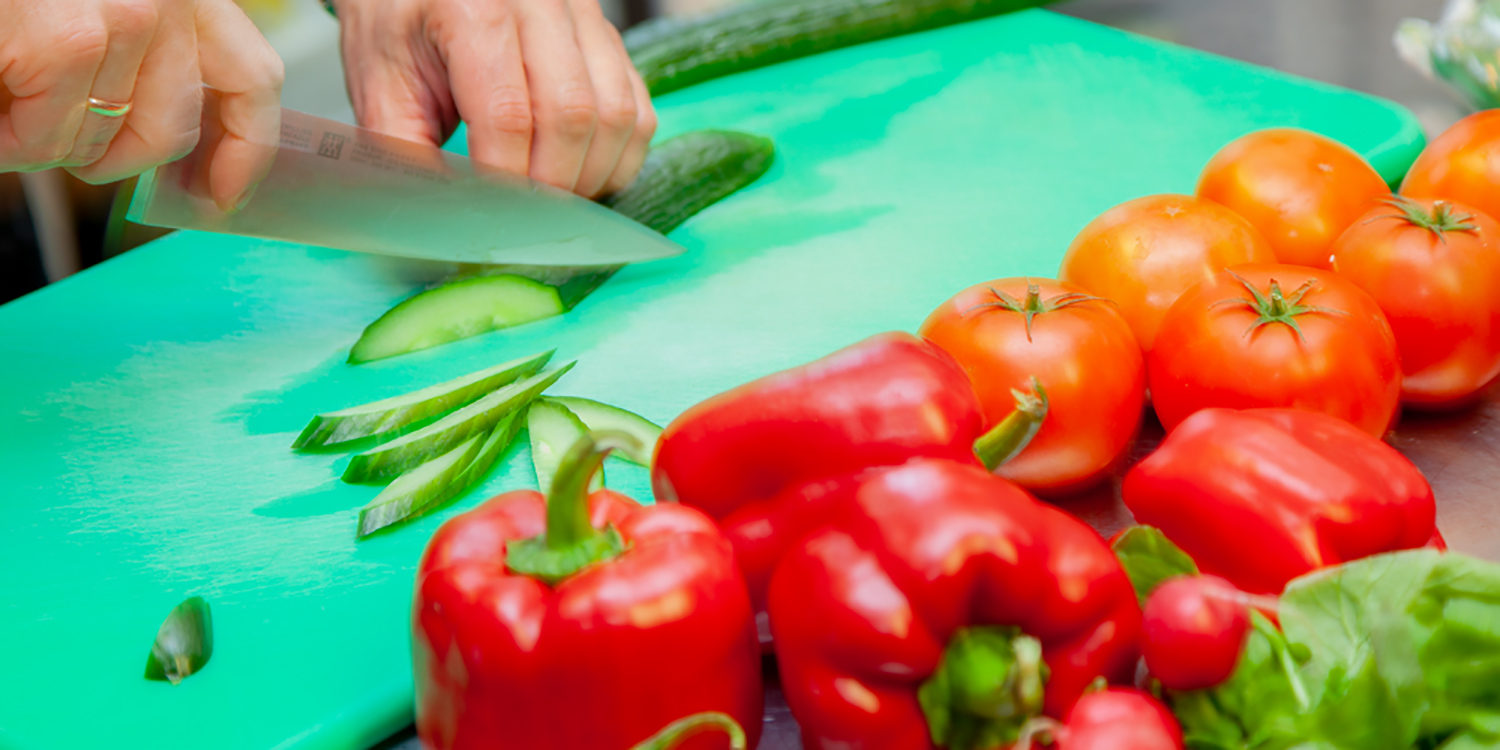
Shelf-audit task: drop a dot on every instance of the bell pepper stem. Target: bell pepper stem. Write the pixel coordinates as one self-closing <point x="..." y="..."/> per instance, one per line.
<point x="1039" y="730"/>
<point x="571" y="542"/>
<point x="1007" y="439"/>
<point x="988" y="684"/>
<point x="679" y="731"/>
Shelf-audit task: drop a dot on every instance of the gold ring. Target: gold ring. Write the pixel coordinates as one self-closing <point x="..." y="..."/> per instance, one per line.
<point x="108" y="109"/>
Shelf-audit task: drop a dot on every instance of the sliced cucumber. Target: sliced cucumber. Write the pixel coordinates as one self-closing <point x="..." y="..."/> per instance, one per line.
<point x="413" y="491"/>
<point x="494" y="447"/>
<point x="389" y="415"/>
<point x="681" y="177"/>
<point x="600" y="416"/>
<point x="673" y="53"/>
<point x="455" y="311"/>
<point x="412" y="449"/>
<point x="553" y="430"/>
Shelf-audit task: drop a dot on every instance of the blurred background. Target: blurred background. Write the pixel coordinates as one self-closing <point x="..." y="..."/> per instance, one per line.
<point x="52" y="225"/>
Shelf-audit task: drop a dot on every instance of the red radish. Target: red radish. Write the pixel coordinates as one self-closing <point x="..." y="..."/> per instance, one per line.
<point x="1113" y="719"/>
<point x="1193" y="629"/>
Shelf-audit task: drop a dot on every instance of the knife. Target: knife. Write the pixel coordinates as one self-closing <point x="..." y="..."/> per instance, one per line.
<point x="339" y="186"/>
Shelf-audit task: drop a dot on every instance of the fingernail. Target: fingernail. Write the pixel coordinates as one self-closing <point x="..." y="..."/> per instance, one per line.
<point x="244" y="199"/>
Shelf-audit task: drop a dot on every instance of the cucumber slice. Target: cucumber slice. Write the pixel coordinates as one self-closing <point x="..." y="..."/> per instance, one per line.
<point x="412" y="492"/>
<point x="410" y="450"/>
<point x="494" y="447"/>
<point x="553" y="430"/>
<point x="673" y="53"/>
<point x="455" y="311"/>
<point x="600" y="416"/>
<point x="389" y="415"/>
<point x="681" y="177"/>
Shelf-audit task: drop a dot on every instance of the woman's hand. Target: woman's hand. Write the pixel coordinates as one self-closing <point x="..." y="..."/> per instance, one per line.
<point x="155" y="56"/>
<point x="544" y="85"/>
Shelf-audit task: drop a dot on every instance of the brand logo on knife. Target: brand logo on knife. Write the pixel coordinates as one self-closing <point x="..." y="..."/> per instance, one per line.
<point x="332" y="145"/>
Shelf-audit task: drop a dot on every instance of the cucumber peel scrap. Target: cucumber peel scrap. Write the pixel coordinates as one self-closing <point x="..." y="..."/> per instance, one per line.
<point x="600" y="416"/>
<point x="184" y="643"/>
<point x="392" y="414"/>
<point x="408" y="451"/>
<point x="555" y="424"/>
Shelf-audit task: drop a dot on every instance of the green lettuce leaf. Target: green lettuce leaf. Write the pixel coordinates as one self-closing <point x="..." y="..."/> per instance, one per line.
<point x="1150" y="559"/>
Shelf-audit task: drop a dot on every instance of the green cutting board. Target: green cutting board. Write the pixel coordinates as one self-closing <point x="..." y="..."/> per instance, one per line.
<point x="146" y="405"/>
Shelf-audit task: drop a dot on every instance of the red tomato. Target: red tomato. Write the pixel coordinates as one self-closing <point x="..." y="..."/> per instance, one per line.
<point x="1273" y="335"/>
<point x="1005" y="332"/>
<point x="1300" y="189"/>
<point x="1118" y="719"/>
<point x="1193" y="630"/>
<point x="1461" y="165"/>
<point x="1434" y="269"/>
<point x="1145" y="253"/>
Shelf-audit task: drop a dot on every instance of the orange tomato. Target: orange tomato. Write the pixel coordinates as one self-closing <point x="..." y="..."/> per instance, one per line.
<point x="1004" y="333"/>
<point x="1300" y="189"/>
<point x="1277" y="335"/>
<point x="1434" y="268"/>
<point x="1461" y="165"/>
<point x="1145" y="253"/>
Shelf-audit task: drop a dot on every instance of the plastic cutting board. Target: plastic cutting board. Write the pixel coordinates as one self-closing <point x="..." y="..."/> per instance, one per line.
<point x="146" y="405"/>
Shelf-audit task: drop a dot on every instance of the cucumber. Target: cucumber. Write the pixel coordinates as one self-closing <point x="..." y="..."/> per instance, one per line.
<point x="412" y="492"/>
<point x="455" y="311"/>
<point x="392" y="414"/>
<point x="681" y="177"/>
<point x="554" y="429"/>
<point x="494" y="447"/>
<point x="673" y="53"/>
<point x="600" y="416"/>
<point x="414" y="448"/>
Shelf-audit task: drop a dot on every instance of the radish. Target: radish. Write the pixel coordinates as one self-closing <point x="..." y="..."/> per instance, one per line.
<point x="1194" y="628"/>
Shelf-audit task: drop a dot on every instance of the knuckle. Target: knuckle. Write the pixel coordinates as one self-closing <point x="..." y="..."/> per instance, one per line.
<point x="573" y="111"/>
<point x="645" y="123"/>
<point x="82" y="41"/>
<point x="136" y="18"/>
<point x="618" y="112"/>
<point x="510" y="113"/>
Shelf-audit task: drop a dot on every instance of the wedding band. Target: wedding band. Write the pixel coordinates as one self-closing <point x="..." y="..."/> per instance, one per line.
<point x="108" y="109"/>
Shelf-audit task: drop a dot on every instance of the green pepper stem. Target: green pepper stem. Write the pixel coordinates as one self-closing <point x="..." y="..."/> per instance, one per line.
<point x="568" y="500"/>
<point x="679" y="731"/>
<point x="1007" y="439"/>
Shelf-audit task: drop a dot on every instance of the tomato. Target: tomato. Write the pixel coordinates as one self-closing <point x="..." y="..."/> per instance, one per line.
<point x="1276" y="335"/>
<point x="1192" y="631"/>
<point x="1145" y="253"/>
<point x="1461" y="165"/>
<point x="1004" y="333"/>
<point x="1434" y="269"/>
<point x="1300" y="189"/>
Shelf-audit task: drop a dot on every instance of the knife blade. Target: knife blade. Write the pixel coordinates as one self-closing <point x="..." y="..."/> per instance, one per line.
<point x="339" y="186"/>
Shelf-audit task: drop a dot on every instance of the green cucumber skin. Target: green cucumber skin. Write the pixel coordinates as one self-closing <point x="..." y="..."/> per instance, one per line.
<point x="676" y="53"/>
<point x="553" y="429"/>
<point x="396" y="457"/>
<point x="389" y="416"/>
<point x="596" y="415"/>
<point x="494" y="447"/>
<point x="406" y="496"/>
<point x="681" y="177"/>
<point x="420" y="323"/>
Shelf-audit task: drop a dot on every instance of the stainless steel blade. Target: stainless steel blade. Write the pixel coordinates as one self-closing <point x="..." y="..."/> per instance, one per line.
<point x="339" y="186"/>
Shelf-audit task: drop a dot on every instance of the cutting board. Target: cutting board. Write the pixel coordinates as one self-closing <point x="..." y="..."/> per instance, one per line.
<point x="147" y="405"/>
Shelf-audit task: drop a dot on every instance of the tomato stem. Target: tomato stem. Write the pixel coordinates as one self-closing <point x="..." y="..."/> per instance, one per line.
<point x="679" y="731"/>
<point x="1033" y="305"/>
<point x="1273" y="306"/>
<point x="1442" y="219"/>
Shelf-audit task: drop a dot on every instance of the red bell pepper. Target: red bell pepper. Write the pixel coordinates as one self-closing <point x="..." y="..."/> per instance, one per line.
<point x="769" y="458"/>
<point x="922" y="614"/>
<point x="580" y="621"/>
<point x="1262" y="496"/>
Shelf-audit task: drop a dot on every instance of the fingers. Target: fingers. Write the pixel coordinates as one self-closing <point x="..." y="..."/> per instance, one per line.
<point x="131" y="25"/>
<point x="247" y="73"/>
<point x="396" y="88"/>
<point x="163" y="121"/>
<point x="562" y="93"/>
<point x="639" y="144"/>
<point x="608" y="68"/>
<point x="55" y="50"/>
<point x="481" y="47"/>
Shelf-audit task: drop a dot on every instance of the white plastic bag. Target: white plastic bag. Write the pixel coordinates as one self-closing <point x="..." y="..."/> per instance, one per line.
<point x="1462" y="50"/>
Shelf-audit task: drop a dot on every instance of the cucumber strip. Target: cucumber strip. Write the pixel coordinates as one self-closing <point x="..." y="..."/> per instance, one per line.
<point x="681" y="177"/>
<point x="412" y="449"/>
<point x="494" y="447"/>
<point x="455" y="311"/>
<point x="412" y="492"/>
<point x="674" y="53"/>
<point x="389" y="415"/>
<point x="601" y="416"/>
<point x="553" y="430"/>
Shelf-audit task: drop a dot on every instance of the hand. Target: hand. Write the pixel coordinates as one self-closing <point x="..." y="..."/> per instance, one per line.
<point x="154" y="54"/>
<point x="544" y="85"/>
